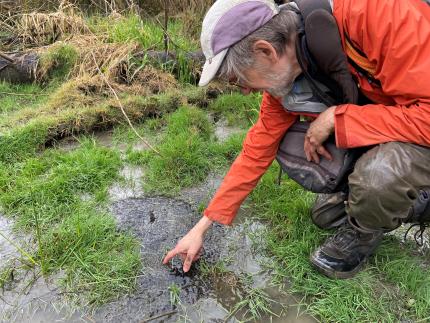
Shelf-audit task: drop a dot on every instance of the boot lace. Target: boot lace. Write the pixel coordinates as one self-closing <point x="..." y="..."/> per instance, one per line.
<point x="344" y="236"/>
<point x="419" y="234"/>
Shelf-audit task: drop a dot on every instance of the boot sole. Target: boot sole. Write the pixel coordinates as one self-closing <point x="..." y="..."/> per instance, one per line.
<point x="331" y="273"/>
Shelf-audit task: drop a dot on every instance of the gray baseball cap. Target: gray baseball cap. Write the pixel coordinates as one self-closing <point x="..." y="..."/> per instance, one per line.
<point x="225" y="24"/>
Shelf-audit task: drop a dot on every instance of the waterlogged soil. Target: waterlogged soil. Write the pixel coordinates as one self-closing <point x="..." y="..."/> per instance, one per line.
<point x="158" y="223"/>
<point x="7" y="250"/>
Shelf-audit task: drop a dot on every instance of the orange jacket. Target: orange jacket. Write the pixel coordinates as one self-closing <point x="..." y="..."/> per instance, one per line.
<point x="395" y="36"/>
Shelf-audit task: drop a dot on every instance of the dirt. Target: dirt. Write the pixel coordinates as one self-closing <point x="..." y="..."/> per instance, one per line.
<point x="158" y="223"/>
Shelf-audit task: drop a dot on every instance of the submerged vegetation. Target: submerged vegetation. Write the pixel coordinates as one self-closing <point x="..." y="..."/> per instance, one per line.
<point x="90" y="78"/>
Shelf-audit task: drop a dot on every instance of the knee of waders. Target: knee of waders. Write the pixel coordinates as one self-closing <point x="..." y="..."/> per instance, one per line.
<point x="328" y="211"/>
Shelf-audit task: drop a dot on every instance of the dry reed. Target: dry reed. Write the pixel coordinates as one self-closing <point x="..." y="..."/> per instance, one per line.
<point x="40" y="29"/>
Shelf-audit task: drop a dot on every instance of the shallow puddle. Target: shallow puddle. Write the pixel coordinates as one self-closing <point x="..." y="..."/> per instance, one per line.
<point x="7" y="250"/>
<point x="158" y="223"/>
<point x="223" y="131"/>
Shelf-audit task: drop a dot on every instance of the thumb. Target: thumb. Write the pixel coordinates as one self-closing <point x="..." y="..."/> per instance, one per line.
<point x="189" y="260"/>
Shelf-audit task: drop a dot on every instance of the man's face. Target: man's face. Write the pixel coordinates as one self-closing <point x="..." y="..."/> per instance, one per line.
<point x="277" y="79"/>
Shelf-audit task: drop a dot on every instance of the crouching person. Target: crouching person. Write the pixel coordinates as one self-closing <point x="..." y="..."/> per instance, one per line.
<point x="359" y="70"/>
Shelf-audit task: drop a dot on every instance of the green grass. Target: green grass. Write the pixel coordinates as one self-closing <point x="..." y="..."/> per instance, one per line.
<point x="57" y="62"/>
<point x="185" y="157"/>
<point x="19" y="96"/>
<point x="148" y="33"/>
<point x="380" y="292"/>
<point x="239" y="110"/>
<point x="44" y="195"/>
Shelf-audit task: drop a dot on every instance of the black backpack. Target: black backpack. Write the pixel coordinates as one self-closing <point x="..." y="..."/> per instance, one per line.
<point x="323" y="62"/>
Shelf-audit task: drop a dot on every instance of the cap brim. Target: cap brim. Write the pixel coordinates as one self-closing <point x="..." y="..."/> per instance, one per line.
<point x="211" y="67"/>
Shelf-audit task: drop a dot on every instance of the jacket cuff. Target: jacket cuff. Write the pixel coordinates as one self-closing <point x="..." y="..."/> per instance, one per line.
<point x="339" y="126"/>
<point x="222" y="219"/>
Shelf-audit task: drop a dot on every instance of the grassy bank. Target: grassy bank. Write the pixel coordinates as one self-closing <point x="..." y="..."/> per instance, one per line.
<point x="60" y="198"/>
<point x="395" y="284"/>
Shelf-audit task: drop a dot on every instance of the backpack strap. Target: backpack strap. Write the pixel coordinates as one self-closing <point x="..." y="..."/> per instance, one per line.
<point x="325" y="48"/>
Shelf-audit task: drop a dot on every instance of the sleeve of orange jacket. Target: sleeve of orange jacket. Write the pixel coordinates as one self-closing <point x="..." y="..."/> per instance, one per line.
<point x="396" y="35"/>
<point x="258" y="152"/>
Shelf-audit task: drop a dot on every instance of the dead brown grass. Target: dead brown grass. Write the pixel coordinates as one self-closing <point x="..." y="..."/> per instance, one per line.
<point x="39" y="29"/>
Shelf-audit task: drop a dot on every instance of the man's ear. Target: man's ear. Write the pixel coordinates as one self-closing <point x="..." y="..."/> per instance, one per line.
<point x="264" y="50"/>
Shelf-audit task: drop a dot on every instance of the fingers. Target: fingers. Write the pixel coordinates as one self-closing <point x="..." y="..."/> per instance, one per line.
<point x="188" y="261"/>
<point x="170" y="255"/>
<point x="310" y="151"/>
<point x="315" y="156"/>
<point x="313" y="151"/>
<point x="324" y="152"/>
<point x="193" y="255"/>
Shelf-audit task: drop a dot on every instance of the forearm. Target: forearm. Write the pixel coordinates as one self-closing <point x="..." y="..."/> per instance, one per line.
<point x="203" y="225"/>
<point x="357" y="126"/>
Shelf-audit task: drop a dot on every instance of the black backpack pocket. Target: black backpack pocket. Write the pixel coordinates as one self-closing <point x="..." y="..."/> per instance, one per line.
<point x="325" y="177"/>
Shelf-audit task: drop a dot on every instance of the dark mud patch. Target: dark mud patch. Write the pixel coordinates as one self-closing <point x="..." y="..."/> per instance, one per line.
<point x="158" y="223"/>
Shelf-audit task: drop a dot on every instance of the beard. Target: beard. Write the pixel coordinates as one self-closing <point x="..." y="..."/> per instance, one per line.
<point x="283" y="81"/>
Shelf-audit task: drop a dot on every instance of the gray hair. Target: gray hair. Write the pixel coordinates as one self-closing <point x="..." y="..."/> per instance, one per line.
<point x="278" y="31"/>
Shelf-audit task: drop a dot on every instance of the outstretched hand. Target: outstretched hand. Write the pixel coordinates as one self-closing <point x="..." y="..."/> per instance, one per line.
<point x="190" y="247"/>
<point x="318" y="132"/>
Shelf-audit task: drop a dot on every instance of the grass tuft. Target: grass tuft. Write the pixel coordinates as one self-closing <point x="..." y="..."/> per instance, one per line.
<point x="44" y="195"/>
<point x="238" y="109"/>
<point x="185" y="157"/>
<point x="57" y="62"/>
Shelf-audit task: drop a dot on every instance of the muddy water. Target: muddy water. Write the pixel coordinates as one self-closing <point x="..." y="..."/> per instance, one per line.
<point x="158" y="222"/>
<point x="7" y="250"/>
<point x="223" y="130"/>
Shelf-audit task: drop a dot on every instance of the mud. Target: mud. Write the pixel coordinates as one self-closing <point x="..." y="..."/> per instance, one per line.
<point x="158" y="223"/>
<point x="7" y="250"/>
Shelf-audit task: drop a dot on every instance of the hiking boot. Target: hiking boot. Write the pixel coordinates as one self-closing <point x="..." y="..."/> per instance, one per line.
<point x="328" y="211"/>
<point x="344" y="254"/>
